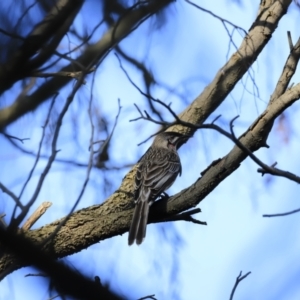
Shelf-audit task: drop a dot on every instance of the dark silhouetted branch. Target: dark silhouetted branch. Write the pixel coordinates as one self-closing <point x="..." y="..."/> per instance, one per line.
<point x="282" y="214"/>
<point x="238" y="280"/>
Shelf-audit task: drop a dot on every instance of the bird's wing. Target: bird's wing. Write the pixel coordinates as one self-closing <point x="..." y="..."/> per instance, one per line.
<point x="158" y="171"/>
<point x="138" y="180"/>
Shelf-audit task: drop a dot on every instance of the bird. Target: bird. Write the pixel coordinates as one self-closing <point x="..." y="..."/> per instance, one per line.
<point x="156" y="172"/>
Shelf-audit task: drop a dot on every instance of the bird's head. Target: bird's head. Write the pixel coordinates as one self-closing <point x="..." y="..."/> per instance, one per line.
<point x="170" y="140"/>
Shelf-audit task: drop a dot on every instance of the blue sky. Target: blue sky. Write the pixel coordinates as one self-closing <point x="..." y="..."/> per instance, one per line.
<point x="177" y="260"/>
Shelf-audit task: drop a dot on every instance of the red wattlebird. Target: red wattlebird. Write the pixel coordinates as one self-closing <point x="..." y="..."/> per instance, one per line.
<point x="156" y="172"/>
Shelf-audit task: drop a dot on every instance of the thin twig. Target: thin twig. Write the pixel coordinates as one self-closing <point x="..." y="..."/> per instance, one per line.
<point x="15" y="138"/>
<point x="36" y="275"/>
<point x="68" y="161"/>
<point x="290" y="41"/>
<point x="266" y="168"/>
<point x="224" y="21"/>
<point x="36" y="215"/>
<point x="11" y="194"/>
<point x="37" y="158"/>
<point x="230" y="35"/>
<point x="282" y="214"/>
<point x="168" y="107"/>
<point x="288" y="71"/>
<point x="185" y="216"/>
<point x="75" y="75"/>
<point x="146" y="74"/>
<point x="107" y="141"/>
<point x="148" y="297"/>
<point x="11" y="35"/>
<point x="238" y="280"/>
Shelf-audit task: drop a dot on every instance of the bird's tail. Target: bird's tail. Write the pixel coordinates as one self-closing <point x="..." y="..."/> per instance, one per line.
<point x="137" y="231"/>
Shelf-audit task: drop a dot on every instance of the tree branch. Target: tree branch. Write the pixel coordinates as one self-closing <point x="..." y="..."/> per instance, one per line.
<point x="237" y="281"/>
<point x="36" y="215"/>
<point x="282" y="214"/>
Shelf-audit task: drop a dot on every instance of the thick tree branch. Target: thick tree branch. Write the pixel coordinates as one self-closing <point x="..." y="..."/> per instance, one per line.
<point x="288" y="70"/>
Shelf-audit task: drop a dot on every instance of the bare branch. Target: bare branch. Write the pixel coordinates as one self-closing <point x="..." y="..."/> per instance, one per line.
<point x="282" y="214"/>
<point x="235" y="27"/>
<point x="107" y="141"/>
<point x="224" y="21"/>
<point x="265" y="168"/>
<point x="16" y="138"/>
<point x="75" y="75"/>
<point x="290" y="41"/>
<point x="146" y="95"/>
<point x="147" y="77"/>
<point x="148" y="297"/>
<point x="288" y="71"/>
<point x="11" y="194"/>
<point x="238" y="280"/>
<point x="69" y="161"/>
<point x="12" y="35"/>
<point x="37" y="158"/>
<point x="36" y="215"/>
<point x="185" y="216"/>
<point x="36" y="275"/>
<point x="277" y="172"/>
